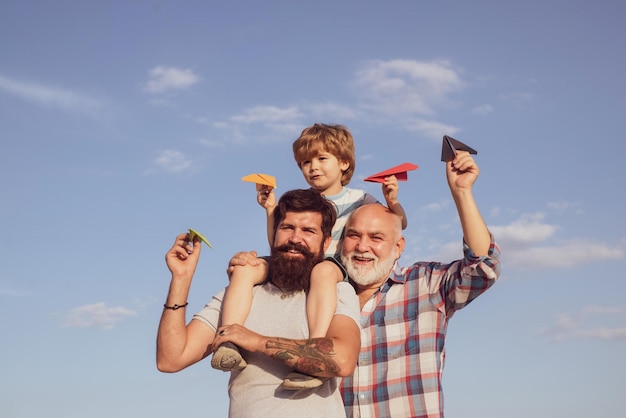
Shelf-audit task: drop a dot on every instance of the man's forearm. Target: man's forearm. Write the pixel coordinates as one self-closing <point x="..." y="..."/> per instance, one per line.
<point x="172" y="333"/>
<point x="313" y="356"/>
<point x="475" y="230"/>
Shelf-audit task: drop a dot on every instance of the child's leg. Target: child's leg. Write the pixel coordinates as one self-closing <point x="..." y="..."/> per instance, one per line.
<point x="321" y="301"/>
<point x="237" y="299"/>
<point x="235" y="309"/>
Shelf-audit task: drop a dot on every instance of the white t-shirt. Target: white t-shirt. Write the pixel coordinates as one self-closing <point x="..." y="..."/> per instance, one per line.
<point x="255" y="391"/>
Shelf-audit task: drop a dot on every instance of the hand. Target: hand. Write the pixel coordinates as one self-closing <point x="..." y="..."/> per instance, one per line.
<point x="251" y="274"/>
<point x="182" y="258"/>
<point x="461" y="172"/>
<point x="243" y="258"/>
<point x="390" y="190"/>
<point x="266" y="197"/>
<point x="240" y="336"/>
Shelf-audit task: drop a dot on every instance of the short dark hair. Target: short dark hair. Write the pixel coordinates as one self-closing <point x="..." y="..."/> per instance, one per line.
<point x="306" y="200"/>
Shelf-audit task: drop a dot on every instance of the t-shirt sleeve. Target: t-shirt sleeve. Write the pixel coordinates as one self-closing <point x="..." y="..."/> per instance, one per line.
<point x="210" y="314"/>
<point x="348" y="302"/>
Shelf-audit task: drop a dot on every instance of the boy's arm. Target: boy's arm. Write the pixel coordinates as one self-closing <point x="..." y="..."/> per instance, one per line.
<point x="267" y="199"/>
<point x="390" y="191"/>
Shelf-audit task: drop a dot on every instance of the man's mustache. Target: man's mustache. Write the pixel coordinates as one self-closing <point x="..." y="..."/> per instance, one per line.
<point x="285" y="248"/>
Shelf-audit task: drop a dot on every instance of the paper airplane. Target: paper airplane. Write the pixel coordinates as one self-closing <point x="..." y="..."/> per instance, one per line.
<point x="450" y="146"/>
<point x="193" y="233"/>
<point x="400" y="171"/>
<point x="261" y="180"/>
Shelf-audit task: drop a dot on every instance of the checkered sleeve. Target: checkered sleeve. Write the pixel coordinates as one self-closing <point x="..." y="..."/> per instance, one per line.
<point x="453" y="286"/>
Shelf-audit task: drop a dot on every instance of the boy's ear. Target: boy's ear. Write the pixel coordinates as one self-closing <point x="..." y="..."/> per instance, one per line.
<point x="344" y="165"/>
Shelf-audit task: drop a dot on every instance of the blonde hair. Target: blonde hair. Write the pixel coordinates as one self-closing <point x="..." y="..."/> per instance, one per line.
<point x="334" y="139"/>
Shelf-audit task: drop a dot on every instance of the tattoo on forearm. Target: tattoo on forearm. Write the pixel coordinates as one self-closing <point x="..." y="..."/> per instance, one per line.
<point x="312" y="356"/>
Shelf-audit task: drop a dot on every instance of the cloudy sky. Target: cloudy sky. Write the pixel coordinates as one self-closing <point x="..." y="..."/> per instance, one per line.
<point x="125" y="123"/>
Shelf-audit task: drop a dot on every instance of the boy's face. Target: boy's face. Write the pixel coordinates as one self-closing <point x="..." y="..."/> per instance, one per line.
<point x="323" y="173"/>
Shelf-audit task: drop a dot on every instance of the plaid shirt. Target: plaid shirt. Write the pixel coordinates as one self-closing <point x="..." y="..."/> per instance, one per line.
<point x="403" y="330"/>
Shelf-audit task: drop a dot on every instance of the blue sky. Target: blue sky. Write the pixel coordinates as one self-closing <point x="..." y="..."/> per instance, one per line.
<point x="125" y="123"/>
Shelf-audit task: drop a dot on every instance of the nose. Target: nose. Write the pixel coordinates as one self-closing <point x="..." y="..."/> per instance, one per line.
<point x="295" y="237"/>
<point x="361" y="245"/>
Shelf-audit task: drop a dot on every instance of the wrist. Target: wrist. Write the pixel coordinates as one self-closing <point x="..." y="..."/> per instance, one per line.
<point x="175" y="306"/>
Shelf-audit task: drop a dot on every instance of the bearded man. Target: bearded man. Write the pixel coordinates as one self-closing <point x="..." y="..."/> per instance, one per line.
<point x="274" y="338"/>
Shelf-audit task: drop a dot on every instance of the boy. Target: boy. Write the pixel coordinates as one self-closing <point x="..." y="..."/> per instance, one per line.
<point x="325" y="155"/>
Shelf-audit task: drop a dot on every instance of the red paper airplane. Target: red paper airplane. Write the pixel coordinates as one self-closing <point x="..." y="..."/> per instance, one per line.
<point x="450" y="146"/>
<point x="400" y="171"/>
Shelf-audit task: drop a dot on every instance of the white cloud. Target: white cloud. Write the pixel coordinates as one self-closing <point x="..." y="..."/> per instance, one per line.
<point x="406" y="86"/>
<point x="528" y="229"/>
<point x="562" y="206"/>
<point x="429" y="128"/>
<point x="586" y="324"/>
<point x="50" y="96"/>
<point x="482" y="110"/>
<point x="97" y="315"/>
<point x="563" y="255"/>
<point x="173" y="161"/>
<point x="262" y="124"/>
<point x="396" y="92"/>
<point x="523" y="245"/>
<point x="163" y="79"/>
<point x="267" y="114"/>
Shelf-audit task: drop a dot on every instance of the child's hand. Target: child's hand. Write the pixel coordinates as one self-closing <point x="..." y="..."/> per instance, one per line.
<point x="242" y="259"/>
<point x="266" y="198"/>
<point x="390" y="190"/>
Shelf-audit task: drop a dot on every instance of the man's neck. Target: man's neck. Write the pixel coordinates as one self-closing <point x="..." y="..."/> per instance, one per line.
<point x="365" y="292"/>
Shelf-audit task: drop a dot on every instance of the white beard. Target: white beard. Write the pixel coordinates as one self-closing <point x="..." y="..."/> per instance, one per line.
<point x="364" y="275"/>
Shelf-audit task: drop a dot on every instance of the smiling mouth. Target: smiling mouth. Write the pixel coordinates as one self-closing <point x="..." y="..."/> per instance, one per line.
<point x="361" y="259"/>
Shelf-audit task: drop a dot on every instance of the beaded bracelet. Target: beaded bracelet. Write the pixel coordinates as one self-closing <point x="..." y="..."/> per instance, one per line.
<point x="175" y="306"/>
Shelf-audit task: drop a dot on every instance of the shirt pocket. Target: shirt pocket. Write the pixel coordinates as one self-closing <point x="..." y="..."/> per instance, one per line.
<point x="394" y="333"/>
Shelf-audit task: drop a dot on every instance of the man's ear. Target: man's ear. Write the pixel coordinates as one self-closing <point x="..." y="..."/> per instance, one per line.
<point x="327" y="242"/>
<point x="400" y="247"/>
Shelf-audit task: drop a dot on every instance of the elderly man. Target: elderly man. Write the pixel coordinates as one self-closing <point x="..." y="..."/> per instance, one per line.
<point x="405" y="311"/>
<point x="303" y="222"/>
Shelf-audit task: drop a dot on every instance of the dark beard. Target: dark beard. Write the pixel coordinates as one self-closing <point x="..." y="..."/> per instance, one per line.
<point x="290" y="274"/>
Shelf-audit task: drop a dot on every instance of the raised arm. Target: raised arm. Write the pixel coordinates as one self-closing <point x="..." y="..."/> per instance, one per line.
<point x="390" y="192"/>
<point x="180" y="345"/>
<point x="461" y="173"/>
<point x="267" y="199"/>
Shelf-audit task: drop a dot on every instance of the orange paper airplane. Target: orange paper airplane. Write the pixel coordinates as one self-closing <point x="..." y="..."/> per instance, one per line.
<point x="450" y="146"/>
<point x="400" y="171"/>
<point x="261" y="180"/>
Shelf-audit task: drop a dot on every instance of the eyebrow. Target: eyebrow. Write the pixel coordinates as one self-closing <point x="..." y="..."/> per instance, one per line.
<point x="369" y="234"/>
